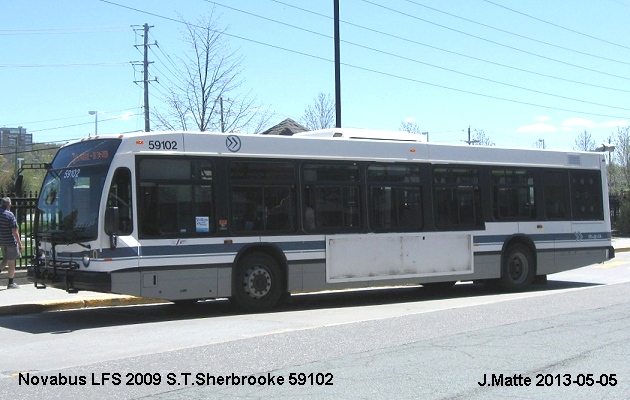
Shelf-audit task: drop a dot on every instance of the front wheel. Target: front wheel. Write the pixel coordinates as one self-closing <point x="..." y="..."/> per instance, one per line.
<point x="518" y="268"/>
<point x="257" y="283"/>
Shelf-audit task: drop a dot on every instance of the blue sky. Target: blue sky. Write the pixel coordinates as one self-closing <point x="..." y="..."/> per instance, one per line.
<point x="522" y="71"/>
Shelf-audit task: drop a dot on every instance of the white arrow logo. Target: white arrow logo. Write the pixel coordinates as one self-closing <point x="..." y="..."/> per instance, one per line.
<point x="233" y="143"/>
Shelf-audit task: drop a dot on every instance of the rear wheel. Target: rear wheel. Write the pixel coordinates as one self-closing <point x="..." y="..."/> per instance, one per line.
<point x="518" y="268"/>
<point x="257" y="283"/>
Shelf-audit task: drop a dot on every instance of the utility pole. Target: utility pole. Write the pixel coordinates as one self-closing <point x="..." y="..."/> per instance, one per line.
<point x="470" y="142"/>
<point x="220" y="100"/>
<point x="337" y="68"/>
<point x="145" y="65"/>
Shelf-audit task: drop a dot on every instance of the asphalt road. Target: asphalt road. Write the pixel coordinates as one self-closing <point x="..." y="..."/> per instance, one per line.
<point x="568" y="339"/>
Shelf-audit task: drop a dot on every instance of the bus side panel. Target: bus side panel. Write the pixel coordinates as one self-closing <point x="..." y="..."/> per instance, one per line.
<point x="126" y="283"/>
<point x="572" y="259"/>
<point x="174" y="284"/>
<point x="180" y="284"/>
<point x="390" y="256"/>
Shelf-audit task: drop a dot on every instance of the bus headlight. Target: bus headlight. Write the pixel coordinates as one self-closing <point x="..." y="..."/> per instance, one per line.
<point x="86" y="260"/>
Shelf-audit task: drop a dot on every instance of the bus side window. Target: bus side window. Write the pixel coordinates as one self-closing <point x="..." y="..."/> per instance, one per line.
<point x="120" y="196"/>
<point x="586" y="195"/>
<point x="556" y="194"/>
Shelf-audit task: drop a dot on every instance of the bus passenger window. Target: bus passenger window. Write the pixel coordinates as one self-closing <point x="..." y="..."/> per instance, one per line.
<point x="262" y="196"/>
<point x="176" y="197"/>
<point x="556" y="194"/>
<point x="331" y="197"/>
<point x="457" y="198"/>
<point x="586" y="195"/>
<point x="513" y="191"/>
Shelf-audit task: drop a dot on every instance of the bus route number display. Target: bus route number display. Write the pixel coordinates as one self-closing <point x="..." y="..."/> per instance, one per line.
<point x="91" y="156"/>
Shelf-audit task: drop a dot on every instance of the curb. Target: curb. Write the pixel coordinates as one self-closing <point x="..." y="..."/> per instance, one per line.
<point x="60" y="305"/>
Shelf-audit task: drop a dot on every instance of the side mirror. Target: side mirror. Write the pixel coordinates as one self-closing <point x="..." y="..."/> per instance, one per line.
<point x="112" y="225"/>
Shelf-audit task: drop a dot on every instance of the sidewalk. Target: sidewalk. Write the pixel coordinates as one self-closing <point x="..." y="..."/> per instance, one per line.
<point x="28" y="299"/>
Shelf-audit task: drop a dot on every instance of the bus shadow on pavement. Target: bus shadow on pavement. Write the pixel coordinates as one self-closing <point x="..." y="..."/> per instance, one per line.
<point x="63" y="322"/>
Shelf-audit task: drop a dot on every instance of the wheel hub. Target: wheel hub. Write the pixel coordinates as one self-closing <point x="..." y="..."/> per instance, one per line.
<point x="516" y="268"/>
<point x="257" y="282"/>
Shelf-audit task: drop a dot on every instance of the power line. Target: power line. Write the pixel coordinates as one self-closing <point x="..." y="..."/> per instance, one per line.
<point x="381" y="72"/>
<point x="64" y="31"/>
<point x="456" y="53"/>
<point x="101" y="64"/>
<point x="83" y="123"/>
<point x="517" y="35"/>
<point x="11" y="153"/>
<point x="558" y="26"/>
<point x="496" y="43"/>
<point x="485" y="79"/>
<point x="479" y="94"/>
<point x="65" y="118"/>
<point x="421" y="62"/>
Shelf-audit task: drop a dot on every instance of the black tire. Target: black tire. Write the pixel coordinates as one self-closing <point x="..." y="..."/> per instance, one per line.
<point x="518" y="269"/>
<point x="258" y="283"/>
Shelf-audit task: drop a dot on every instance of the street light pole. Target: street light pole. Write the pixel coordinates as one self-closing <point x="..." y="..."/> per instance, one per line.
<point x="95" y="114"/>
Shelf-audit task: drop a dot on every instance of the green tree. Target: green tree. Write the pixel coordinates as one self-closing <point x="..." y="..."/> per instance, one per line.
<point x="621" y="160"/>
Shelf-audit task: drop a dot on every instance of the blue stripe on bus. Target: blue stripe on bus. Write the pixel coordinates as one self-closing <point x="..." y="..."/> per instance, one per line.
<point x="318" y="245"/>
<point x="149" y="251"/>
<point x="545" y="237"/>
<point x="217" y="248"/>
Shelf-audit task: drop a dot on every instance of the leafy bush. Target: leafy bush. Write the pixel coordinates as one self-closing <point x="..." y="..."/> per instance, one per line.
<point x="623" y="221"/>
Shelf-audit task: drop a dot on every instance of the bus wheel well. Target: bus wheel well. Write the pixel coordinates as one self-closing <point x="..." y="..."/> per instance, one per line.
<point x="259" y="278"/>
<point x="518" y="263"/>
<point x="523" y="240"/>
<point x="271" y="250"/>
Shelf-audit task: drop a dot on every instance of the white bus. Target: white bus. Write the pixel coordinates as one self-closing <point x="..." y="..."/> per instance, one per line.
<point x="185" y="216"/>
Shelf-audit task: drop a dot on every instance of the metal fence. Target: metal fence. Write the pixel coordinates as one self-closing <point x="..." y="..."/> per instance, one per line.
<point x="24" y="209"/>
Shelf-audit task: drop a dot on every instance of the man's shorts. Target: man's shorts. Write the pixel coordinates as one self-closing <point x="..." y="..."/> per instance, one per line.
<point x="10" y="252"/>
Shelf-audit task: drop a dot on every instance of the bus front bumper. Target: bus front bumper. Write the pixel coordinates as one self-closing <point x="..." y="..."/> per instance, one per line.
<point x="70" y="279"/>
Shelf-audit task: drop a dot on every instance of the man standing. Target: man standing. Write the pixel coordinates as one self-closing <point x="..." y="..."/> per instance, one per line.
<point x="10" y="241"/>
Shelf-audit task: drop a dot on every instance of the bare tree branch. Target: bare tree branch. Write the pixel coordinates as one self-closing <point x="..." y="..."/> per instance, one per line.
<point x="320" y="114"/>
<point x="211" y="76"/>
<point x="584" y="142"/>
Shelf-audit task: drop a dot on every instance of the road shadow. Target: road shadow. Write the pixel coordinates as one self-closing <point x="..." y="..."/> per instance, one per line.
<point x="62" y="322"/>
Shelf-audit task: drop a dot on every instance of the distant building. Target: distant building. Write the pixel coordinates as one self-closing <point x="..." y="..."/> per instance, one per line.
<point x="15" y="140"/>
<point x="288" y="127"/>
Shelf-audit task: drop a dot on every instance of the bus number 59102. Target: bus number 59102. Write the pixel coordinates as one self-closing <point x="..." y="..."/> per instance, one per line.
<point x="162" y="145"/>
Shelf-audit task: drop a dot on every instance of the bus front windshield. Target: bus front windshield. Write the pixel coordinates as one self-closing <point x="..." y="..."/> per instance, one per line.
<point x="71" y="193"/>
